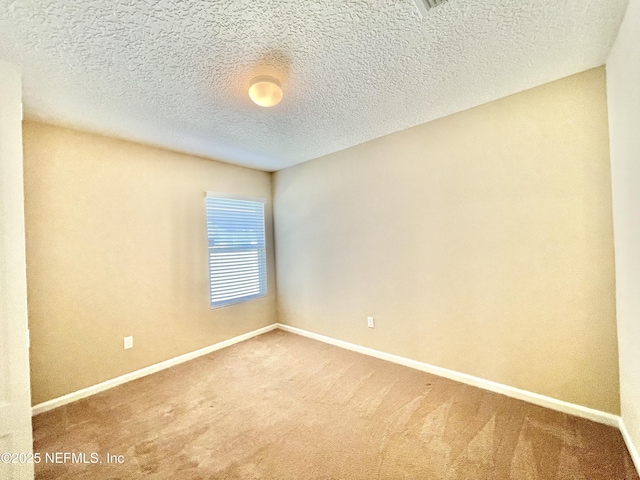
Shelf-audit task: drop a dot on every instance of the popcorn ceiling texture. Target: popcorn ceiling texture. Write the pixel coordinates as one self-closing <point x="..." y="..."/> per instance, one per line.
<point x="176" y="73"/>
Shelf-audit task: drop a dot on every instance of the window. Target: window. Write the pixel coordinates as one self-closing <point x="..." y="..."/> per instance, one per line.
<point x="237" y="258"/>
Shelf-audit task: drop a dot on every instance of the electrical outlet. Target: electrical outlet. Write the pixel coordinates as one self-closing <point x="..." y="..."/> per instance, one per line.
<point x="370" y="322"/>
<point x="128" y="342"/>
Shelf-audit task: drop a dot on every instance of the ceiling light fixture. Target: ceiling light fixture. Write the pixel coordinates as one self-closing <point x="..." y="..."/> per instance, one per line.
<point x="265" y="91"/>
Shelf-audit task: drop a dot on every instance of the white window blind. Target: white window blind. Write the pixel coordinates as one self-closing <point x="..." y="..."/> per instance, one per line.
<point x="237" y="258"/>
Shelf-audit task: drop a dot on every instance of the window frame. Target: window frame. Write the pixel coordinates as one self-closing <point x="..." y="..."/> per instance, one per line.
<point x="263" y="281"/>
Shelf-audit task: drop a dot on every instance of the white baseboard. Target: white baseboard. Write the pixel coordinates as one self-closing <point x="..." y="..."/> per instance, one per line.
<point x="100" y="387"/>
<point x="535" y="398"/>
<point x="633" y="451"/>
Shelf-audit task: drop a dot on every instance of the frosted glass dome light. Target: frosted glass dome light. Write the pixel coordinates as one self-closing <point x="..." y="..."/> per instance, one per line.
<point x="265" y="91"/>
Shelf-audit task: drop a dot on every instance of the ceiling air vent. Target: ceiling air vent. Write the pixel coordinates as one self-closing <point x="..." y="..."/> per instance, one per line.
<point x="425" y="5"/>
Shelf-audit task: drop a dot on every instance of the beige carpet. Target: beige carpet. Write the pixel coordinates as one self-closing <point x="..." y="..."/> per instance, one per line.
<point x="281" y="406"/>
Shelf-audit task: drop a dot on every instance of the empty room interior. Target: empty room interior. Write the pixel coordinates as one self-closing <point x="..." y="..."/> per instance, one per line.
<point x="320" y="240"/>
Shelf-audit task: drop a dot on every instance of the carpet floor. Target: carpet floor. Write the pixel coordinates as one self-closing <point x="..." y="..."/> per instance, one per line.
<point x="281" y="406"/>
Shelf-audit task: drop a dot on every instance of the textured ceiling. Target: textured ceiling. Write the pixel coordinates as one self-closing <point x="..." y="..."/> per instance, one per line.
<point x="176" y="73"/>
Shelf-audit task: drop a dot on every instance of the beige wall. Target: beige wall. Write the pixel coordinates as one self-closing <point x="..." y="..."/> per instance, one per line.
<point x="623" y="80"/>
<point x="480" y="242"/>
<point x="116" y="246"/>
